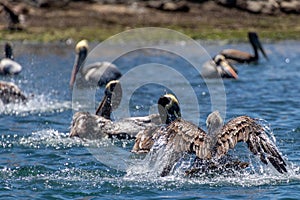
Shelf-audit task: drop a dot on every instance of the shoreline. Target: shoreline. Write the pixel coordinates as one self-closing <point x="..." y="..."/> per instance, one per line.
<point x="204" y="21"/>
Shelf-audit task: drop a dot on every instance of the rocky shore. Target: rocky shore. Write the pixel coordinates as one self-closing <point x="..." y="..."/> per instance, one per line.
<point x="49" y="20"/>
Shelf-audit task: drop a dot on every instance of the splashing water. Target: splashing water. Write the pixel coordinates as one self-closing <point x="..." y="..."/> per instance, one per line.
<point x="37" y="104"/>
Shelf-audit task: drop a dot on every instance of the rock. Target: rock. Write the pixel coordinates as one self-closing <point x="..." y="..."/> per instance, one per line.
<point x="258" y="6"/>
<point x="180" y="6"/>
<point x="292" y="6"/>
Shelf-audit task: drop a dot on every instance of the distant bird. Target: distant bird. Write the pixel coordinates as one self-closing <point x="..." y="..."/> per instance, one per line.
<point x="11" y="93"/>
<point x="96" y="126"/>
<point x="218" y="67"/>
<point x="7" y="64"/>
<point x="245" y="57"/>
<point x="99" y="73"/>
<point x="15" y="19"/>
<point x="181" y="137"/>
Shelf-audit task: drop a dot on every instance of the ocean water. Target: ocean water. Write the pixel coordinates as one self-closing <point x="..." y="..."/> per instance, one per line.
<point x="39" y="161"/>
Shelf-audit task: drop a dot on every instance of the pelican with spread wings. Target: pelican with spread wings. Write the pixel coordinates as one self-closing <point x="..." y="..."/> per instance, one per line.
<point x="180" y="137"/>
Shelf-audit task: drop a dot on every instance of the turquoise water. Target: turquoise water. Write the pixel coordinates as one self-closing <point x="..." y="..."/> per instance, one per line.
<point x="39" y="161"/>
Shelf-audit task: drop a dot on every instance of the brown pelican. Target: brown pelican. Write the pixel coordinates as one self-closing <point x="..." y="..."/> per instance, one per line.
<point x="219" y="67"/>
<point x="7" y="64"/>
<point x="245" y="57"/>
<point x="100" y="125"/>
<point x="169" y="110"/>
<point x="10" y="93"/>
<point x="99" y="73"/>
<point x="181" y="137"/>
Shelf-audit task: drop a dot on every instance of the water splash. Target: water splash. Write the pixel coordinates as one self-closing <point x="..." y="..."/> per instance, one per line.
<point x="36" y="105"/>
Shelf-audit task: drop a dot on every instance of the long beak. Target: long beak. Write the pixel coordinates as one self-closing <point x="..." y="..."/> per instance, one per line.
<point x="80" y="58"/>
<point x="8" y="51"/>
<point x="229" y="69"/>
<point x="262" y="50"/>
<point x="101" y="105"/>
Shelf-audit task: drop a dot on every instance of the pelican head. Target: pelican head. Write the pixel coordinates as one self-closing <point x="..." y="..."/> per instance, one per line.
<point x="254" y="40"/>
<point x="81" y="50"/>
<point x="214" y="122"/>
<point x="168" y="108"/>
<point x="225" y="68"/>
<point x="111" y="100"/>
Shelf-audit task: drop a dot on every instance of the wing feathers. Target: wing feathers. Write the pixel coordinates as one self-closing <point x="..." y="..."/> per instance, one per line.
<point x="246" y="129"/>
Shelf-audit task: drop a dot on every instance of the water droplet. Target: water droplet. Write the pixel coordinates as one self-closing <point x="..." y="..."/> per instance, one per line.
<point x="287" y="60"/>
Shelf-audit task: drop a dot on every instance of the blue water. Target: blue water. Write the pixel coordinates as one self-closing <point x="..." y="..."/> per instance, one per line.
<point x="39" y="161"/>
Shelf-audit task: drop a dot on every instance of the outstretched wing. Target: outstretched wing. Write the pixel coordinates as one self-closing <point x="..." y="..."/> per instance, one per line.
<point x="246" y="129"/>
<point x="183" y="136"/>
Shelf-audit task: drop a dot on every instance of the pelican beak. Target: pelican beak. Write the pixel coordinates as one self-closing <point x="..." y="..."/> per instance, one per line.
<point x="8" y="51"/>
<point x="228" y="69"/>
<point x="253" y="37"/>
<point x="100" y="108"/>
<point x="80" y="58"/>
<point x="111" y="100"/>
<point x="262" y="50"/>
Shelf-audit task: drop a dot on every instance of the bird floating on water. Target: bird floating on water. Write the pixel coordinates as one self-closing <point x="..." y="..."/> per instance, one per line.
<point x="218" y="67"/>
<point x="97" y="126"/>
<point x="98" y="73"/>
<point x="7" y="65"/>
<point x="11" y="93"/>
<point x="234" y="55"/>
<point x="181" y="136"/>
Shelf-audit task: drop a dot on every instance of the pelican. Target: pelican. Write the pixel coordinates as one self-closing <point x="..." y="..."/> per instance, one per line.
<point x="181" y="137"/>
<point x="218" y="67"/>
<point x="169" y="110"/>
<point x="7" y="64"/>
<point x="245" y="57"/>
<point x="97" y="126"/>
<point x="99" y="73"/>
<point x="11" y="93"/>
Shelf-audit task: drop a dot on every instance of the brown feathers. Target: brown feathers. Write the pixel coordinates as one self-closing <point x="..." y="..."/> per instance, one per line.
<point x="11" y="93"/>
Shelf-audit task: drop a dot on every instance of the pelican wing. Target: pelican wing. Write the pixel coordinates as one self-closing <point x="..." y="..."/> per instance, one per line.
<point x="182" y="137"/>
<point x="246" y="129"/>
<point x="88" y="126"/>
<point x="145" y="139"/>
<point x="9" y="92"/>
<point x="236" y="55"/>
<point x="101" y="72"/>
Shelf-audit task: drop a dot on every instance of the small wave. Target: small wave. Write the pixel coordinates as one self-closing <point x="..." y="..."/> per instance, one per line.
<point x="36" y="104"/>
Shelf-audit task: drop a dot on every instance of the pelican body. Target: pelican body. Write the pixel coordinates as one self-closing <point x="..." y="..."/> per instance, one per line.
<point x="180" y="137"/>
<point x="11" y="93"/>
<point x="245" y="57"/>
<point x="218" y="67"/>
<point x="99" y="73"/>
<point x="97" y="126"/>
<point x="7" y="65"/>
